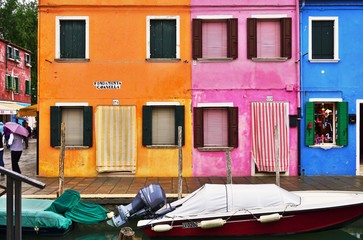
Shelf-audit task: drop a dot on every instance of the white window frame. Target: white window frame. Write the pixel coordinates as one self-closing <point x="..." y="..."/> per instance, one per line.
<point x="16" y="55"/>
<point x="336" y="38"/>
<point x="57" y="33"/>
<point x="148" y="20"/>
<point x="27" y="59"/>
<point x="9" y="50"/>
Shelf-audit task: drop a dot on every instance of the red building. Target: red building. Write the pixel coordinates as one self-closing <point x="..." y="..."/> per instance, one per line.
<point x="15" y="84"/>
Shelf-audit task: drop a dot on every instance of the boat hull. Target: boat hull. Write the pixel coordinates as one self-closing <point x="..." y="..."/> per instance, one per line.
<point x="247" y="225"/>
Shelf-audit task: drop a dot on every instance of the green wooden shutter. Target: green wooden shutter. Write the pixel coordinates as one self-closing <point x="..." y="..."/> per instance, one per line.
<point x="309" y="118"/>
<point x="197" y="39"/>
<point x="146" y="125"/>
<point x="73" y="38"/>
<point x="251" y="38"/>
<point x="323" y="39"/>
<point x="341" y="124"/>
<point x="179" y="121"/>
<point x="198" y="127"/>
<point x="163" y="39"/>
<point x="27" y="87"/>
<point x="232" y="38"/>
<point x="87" y="126"/>
<point x="55" y="125"/>
<point x="233" y="127"/>
<point x="16" y="83"/>
<point x="286" y="29"/>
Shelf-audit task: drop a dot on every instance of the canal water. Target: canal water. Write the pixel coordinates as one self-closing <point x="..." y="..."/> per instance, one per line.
<point x="104" y="232"/>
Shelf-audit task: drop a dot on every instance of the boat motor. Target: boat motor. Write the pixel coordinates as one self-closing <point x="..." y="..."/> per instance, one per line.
<point x="147" y="201"/>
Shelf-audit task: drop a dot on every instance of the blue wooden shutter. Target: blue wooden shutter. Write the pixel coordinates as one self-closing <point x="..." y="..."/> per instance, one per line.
<point x="341" y="124"/>
<point x="146" y="125"/>
<point x="87" y="126"/>
<point x="55" y="125"/>
<point x="309" y="124"/>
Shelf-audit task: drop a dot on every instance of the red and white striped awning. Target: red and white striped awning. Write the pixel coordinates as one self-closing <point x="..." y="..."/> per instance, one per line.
<point x="266" y="117"/>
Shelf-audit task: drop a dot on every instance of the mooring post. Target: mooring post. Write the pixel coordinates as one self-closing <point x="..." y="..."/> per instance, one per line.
<point x="126" y="233"/>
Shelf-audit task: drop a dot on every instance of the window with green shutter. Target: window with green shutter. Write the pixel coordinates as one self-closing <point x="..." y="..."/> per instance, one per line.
<point x="27" y="87"/>
<point x="163" y="38"/>
<point x="72" y="39"/>
<point x="326" y="123"/>
<point x="78" y="125"/>
<point x="160" y="125"/>
<point x="16" y="85"/>
<point x="9" y="82"/>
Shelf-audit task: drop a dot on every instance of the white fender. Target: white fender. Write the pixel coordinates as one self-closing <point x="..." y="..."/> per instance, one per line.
<point x="161" y="228"/>
<point x="219" y="222"/>
<point x="269" y="218"/>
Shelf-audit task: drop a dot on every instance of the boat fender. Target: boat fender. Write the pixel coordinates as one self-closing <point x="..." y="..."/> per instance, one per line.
<point x="269" y="218"/>
<point x="219" y="222"/>
<point x="161" y="228"/>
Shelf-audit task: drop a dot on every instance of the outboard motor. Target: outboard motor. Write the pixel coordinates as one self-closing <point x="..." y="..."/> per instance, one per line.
<point x="147" y="201"/>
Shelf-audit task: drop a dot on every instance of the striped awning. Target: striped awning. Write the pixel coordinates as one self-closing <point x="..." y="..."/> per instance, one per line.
<point x="9" y="108"/>
<point x="266" y="117"/>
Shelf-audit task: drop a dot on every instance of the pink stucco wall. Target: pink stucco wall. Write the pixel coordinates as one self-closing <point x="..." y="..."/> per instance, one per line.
<point x="243" y="81"/>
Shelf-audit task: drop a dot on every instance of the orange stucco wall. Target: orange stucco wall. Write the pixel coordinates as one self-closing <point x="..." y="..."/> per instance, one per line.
<point x="117" y="52"/>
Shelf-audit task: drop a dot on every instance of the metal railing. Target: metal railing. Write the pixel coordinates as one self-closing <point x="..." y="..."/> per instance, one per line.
<point x="13" y="189"/>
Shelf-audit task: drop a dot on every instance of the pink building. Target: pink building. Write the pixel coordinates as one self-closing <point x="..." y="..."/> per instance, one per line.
<point x="245" y="82"/>
<point x="15" y="84"/>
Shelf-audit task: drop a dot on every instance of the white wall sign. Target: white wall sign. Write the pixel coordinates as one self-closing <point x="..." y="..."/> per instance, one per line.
<point x="108" y="84"/>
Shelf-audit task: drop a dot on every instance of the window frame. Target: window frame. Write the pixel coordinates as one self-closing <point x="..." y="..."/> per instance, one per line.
<point x="285" y="37"/>
<point x="27" y="87"/>
<point x="232" y="37"/>
<point x="340" y="116"/>
<point x="198" y="127"/>
<point x="56" y="120"/>
<point x="335" y="19"/>
<point x="16" y="55"/>
<point x="57" y="37"/>
<point x="148" y="37"/>
<point x="147" y="123"/>
<point x="9" y="85"/>
<point x="10" y="52"/>
<point x="27" y="60"/>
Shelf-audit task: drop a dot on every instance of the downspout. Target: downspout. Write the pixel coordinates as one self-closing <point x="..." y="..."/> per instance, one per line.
<point x="299" y="73"/>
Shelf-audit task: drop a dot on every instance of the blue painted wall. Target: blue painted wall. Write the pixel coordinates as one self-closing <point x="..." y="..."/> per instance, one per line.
<point x="343" y="79"/>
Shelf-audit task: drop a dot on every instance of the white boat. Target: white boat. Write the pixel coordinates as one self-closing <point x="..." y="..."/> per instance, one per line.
<point x="244" y="210"/>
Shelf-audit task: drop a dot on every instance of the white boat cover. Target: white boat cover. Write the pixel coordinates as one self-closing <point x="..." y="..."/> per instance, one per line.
<point x="221" y="198"/>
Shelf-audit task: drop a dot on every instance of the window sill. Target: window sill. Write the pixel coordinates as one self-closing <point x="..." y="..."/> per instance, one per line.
<point x="275" y="59"/>
<point x="215" y="59"/>
<point x="71" y="60"/>
<point x="325" y="146"/>
<point x="324" y="60"/>
<point x="215" y="149"/>
<point x="73" y="147"/>
<point x="162" y="59"/>
<point x="162" y="146"/>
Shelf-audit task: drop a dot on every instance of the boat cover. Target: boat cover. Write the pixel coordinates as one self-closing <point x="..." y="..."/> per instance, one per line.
<point x="34" y="214"/>
<point x="219" y="198"/>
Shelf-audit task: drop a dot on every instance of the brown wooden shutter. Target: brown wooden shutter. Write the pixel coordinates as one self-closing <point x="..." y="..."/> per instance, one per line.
<point x="251" y="38"/>
<point x="198" y="127"/>
<point x="233" y="127"/>
<point x="232" y="38"/>
<point x="286" y="37"/>
<point x="197" y="38"/>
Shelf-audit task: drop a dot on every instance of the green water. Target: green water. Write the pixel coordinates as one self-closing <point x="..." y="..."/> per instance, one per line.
<point x="104" y="232"/>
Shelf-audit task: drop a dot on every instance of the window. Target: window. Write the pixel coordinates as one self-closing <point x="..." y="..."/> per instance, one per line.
<point x="160" y="125"/>
<point x="16" y="84"/>
<point x="326" y="123"/>
<point x="27" y="87"/>
<point x="16" y="54"/>
<point x="268" y="38"/>
<point x="215" y="127"/>
<point x="163" y="37"/>
<point x="10" y="52"/>
<point x="9" y="82"/>
<point x="215" y="39"/>
<point x="323" y="39"/>
<point x="72" y="38"/>
<point x="27" y="60"/>
<point x="78" y="125"/>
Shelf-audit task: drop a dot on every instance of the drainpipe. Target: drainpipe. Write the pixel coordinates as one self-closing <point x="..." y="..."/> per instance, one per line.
<point x="298" y="72"/>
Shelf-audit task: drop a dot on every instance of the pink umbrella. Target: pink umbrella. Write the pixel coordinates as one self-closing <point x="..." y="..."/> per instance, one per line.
<point x="17" y="128"/>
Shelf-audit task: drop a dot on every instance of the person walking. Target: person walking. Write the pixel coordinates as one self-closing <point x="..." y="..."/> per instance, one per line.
<point x="2" y="152"/>
<point x="26" y="139"/>
<point x="16" y="149"/>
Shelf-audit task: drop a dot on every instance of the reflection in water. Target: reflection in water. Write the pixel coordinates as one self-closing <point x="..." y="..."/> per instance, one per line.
<point x="105" y="232"/>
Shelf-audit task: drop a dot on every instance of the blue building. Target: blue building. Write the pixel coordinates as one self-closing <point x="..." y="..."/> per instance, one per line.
<point x="331" y="128"/>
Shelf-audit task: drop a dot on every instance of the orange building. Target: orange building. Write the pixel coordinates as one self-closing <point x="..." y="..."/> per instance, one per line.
<point x="117" y="74"/>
